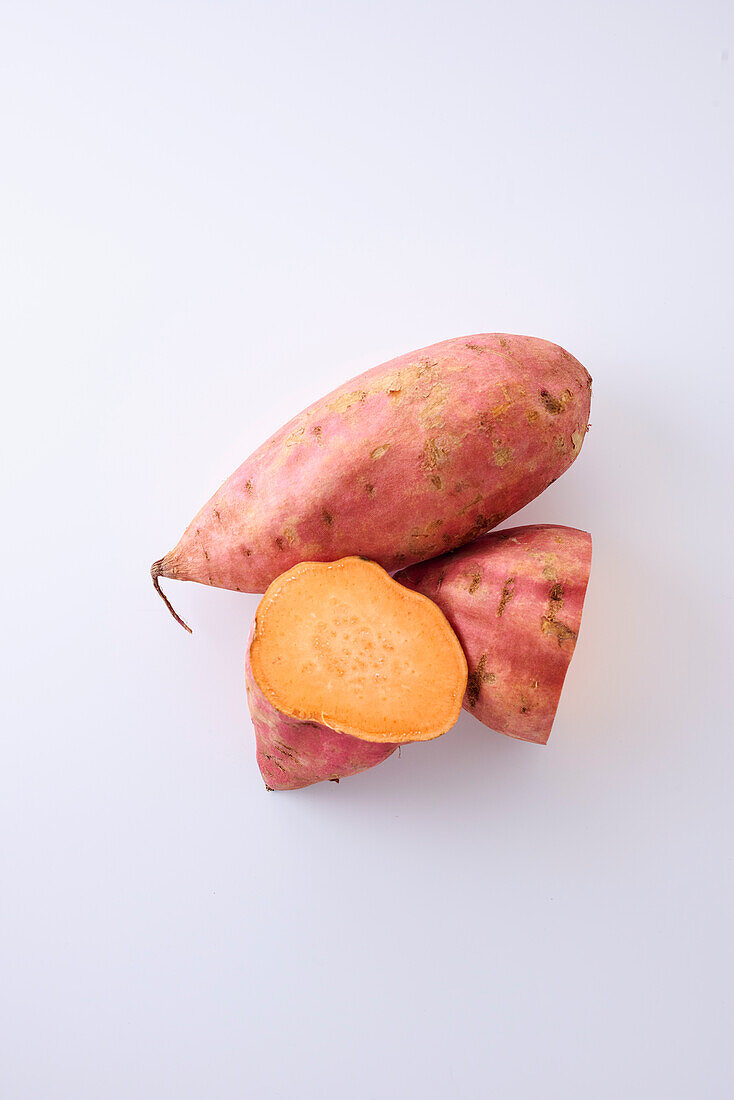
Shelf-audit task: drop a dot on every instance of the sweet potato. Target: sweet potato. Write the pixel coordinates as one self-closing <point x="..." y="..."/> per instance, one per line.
<point x="412" y="458"/>
<point x="340" y="657"/>
<point x="514" y="599"/>
<point x="292" y="753"/>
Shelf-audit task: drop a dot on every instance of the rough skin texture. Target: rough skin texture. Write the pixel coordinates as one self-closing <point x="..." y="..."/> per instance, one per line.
<point x="293" y="754"/>
<point x="413" y="458"/>
<point x="514" y="599"/>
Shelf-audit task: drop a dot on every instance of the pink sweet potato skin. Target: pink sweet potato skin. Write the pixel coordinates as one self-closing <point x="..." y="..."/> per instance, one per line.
<point x="292" y="754"/>
<point x="413" y="458"/>
<point x="514" y="599"/>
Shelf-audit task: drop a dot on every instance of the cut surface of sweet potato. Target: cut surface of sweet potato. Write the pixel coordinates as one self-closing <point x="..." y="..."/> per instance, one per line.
<point x="342" y="644"/>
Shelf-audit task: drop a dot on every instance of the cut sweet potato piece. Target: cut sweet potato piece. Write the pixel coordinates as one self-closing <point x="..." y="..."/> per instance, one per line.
<point x="293" y="754"/>
<point x="343" y="645"/>
<point x="514" y="599"/>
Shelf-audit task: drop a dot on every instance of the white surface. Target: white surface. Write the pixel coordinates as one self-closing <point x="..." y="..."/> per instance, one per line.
<point x="213" y="213"/>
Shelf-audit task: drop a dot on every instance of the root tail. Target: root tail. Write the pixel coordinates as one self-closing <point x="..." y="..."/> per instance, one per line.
<point x="157" y="570"/>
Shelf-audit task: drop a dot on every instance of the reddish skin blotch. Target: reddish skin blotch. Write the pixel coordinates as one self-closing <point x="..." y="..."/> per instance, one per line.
<point x="514" y="599"/>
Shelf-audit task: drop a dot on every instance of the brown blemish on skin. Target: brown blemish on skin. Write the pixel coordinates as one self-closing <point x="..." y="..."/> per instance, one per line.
<point x="549" y="624"/>
<point x="288" y="537"/>
<point x="481" y="524"/>
<point x="476" y="347"/>
<point x="532" y="415"/>
<point x="559" y="630"/>
<point x="434" y="454"/>
<point x="555" y="405"/>
<point x="500" y="410"/>
<point x="399" y="558"/>
<point x="549" y="569"/>
<point x="534" y="684"/>
<point x="432" y="413"/>
<point x="436" y="481"/>
<point x="327" y="517"/>
<point x="334" y="779"/>
<point x="507" y="594"/>
<point x="475" y="581"/>
<point x="286" y="750"/>
<point x="346" y="400"/>
<point x="577" y="439"/>
<point x="203" y="548"/>
<point x="295" y="437"/>
<point x="370" y="490"/>
<point x="216" y="513"/>
<point x="273" y="760"/>
<point x="524" y="705"/>
<point x="379" y="451"/>
<point x="317" y="432"/>
<point x="475" y="680"/>
<point x="490" y="678"/>
<point x="427" y="531"/>
<point x="556" y="595"/>
<point x="471" y="504"/>
<point x="248" y="486"/>
<point x="406" y="379"/>
<point x="502" y="454"/>
<point x="245" y="551"/>
<point x="441" y="577"/>
<point x="559" y="443"/>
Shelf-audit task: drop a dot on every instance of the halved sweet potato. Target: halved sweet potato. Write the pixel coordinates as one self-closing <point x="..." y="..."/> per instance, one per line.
<point x="343" y="645"/>
<point x="514" y="599"/>
<point x="293" y="754"/>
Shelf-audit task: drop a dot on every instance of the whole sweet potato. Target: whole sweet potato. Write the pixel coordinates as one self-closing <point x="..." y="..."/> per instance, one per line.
<point x="412" y="458"/>
<point x="514" y="599"/>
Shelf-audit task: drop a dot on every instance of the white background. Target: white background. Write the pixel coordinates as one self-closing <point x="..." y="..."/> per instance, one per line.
<point x="212" y="213"/>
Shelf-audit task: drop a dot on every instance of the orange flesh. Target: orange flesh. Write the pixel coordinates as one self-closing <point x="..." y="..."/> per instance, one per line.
<point x="343" y="644"/>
